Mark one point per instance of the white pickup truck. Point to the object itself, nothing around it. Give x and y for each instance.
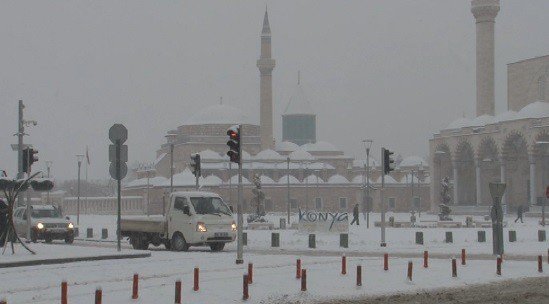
(192, 219)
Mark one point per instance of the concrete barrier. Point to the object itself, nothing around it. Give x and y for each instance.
(419, 238)
(541, 236)
(512, 236)
(104, 233)
(449, 237)
(312, 241)
(275, 239)
(481, 236)
(89, 233)
(344, 240)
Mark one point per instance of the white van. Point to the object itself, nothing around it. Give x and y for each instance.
(193, 218)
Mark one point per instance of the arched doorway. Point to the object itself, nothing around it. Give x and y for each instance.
(516, 170)
(489, 168)
(464, 162)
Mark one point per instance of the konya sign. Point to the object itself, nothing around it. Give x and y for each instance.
(332, 222)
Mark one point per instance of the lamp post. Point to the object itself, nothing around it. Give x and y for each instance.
(317, 172)
(366, 178)
(288, 186)
(171, 140)
(79, 159)
(48, 168)
(543, 178)
(306, 185)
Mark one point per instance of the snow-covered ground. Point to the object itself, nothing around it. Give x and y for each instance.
(362, 239)
(221, 279)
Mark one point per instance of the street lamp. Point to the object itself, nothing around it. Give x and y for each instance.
(366, 178)
(48, 168)
(79, 159)
(288, 186)
(543, 178)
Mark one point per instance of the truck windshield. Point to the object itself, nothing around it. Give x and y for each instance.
(209, 205)
(41, 213)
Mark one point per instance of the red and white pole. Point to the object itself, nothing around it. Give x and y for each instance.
(425, 259)
(463, 257)
(410, 265)
(540, 264)
(178, 292)
(358, 275)
(98, 296)
(196, 277)
(245, 294)
(298, 269)
(304, 280)
(135, 287)
(454, 268)
(498, 266)
(386, 261)
(250, 273)
(64, 292)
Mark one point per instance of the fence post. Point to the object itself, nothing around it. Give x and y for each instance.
(250, 273)
(386, 261)
(178, 292)
(245, 294)
(298, 269)
(540, 264)
(410, 265)
(454, 268)
(98, 296)
(304, 280)
(343, 265)
(135, 288)
(358, 275)
(463, 257)
(64, 292)
(196, 286)
(425, 259)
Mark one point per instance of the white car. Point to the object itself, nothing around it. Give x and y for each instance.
(47, 224)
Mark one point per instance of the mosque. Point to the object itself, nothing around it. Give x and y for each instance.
(300, 170)
(509, 147)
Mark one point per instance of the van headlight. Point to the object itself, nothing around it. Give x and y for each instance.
(70, 226)
(201, 227)
(233, 226)
(40, 226)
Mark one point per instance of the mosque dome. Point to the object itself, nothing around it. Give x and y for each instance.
(337, 179)
(221, 115)
(268, 154)
(284, 180)
(301, 154)
(536, 109)
(320, 146)
(286, 146)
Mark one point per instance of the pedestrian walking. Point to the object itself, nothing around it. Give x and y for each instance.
(355, 215)
(519, 214)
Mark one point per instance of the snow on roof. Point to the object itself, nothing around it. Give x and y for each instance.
(298, 103)
(210, 155)
(183, 179)
(313, 179)
(359, 179)
(219, 114)
(337, 179)
(407, 179)
(361, 162)
(320, 146)
(268, 154)
(211, 180)
(286, 146)
(265, 180)
(388, 180)
(413, 161)
(159, 158)
(301, 154)
(284, 180)
(427, 180)
(234, 180)
(538, 109)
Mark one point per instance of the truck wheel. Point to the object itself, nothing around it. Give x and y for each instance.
(48, 239)
(34, 239)
(217, 246)
(138, 242)
(69, 239)
(178, 242)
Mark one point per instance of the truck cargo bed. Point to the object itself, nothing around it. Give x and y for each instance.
(152, 224)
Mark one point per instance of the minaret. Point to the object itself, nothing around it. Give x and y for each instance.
(266, 65)
(485, 12)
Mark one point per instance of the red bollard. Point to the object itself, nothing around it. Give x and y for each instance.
(298, 269)
(540, 264)
(454, 268)
(463, 257)
(98, 296)
(304, 280)
(245, 294)
(250, 273)
(64, 292)
(425, 259)
(386, 261)
(178, 292)
(135, 288)
(343, 265)
(195, 287)
(358, 275)
(410, 265)
(498, 266)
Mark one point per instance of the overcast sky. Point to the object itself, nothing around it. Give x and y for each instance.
(394, 71)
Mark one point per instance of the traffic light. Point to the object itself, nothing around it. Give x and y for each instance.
(388, 161)
(195, 164)
(234, 144)
(29, 158)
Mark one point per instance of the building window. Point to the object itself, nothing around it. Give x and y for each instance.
(343, 203)
(318, 203)
(293, 203)
(392, 203)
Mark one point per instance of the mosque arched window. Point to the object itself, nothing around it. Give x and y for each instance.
(541, 87)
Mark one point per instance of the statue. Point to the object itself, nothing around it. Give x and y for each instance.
(258, 200)
(445, 210)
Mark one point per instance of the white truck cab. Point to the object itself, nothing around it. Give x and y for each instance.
(193, 218)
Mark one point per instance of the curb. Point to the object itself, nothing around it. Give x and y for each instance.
(72, 260)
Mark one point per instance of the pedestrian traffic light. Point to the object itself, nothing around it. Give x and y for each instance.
(195, 164)
(29, 157)
(234, 144)
(388, 161)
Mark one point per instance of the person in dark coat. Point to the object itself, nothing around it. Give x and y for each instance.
(520, 211)
(355, 215)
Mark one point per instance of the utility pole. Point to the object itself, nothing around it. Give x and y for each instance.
(366, 195)
(79, 159)
(240, 219)
(20, 134)
(288, 188)
(383, 243)
(48, 168)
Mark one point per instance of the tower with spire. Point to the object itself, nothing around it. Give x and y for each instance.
(266, 65)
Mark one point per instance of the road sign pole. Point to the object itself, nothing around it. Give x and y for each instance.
(119, 211)
(383, 243)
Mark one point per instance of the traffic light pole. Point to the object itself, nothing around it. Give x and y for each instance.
(20, 134)
(383, 243)
(240, 220)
